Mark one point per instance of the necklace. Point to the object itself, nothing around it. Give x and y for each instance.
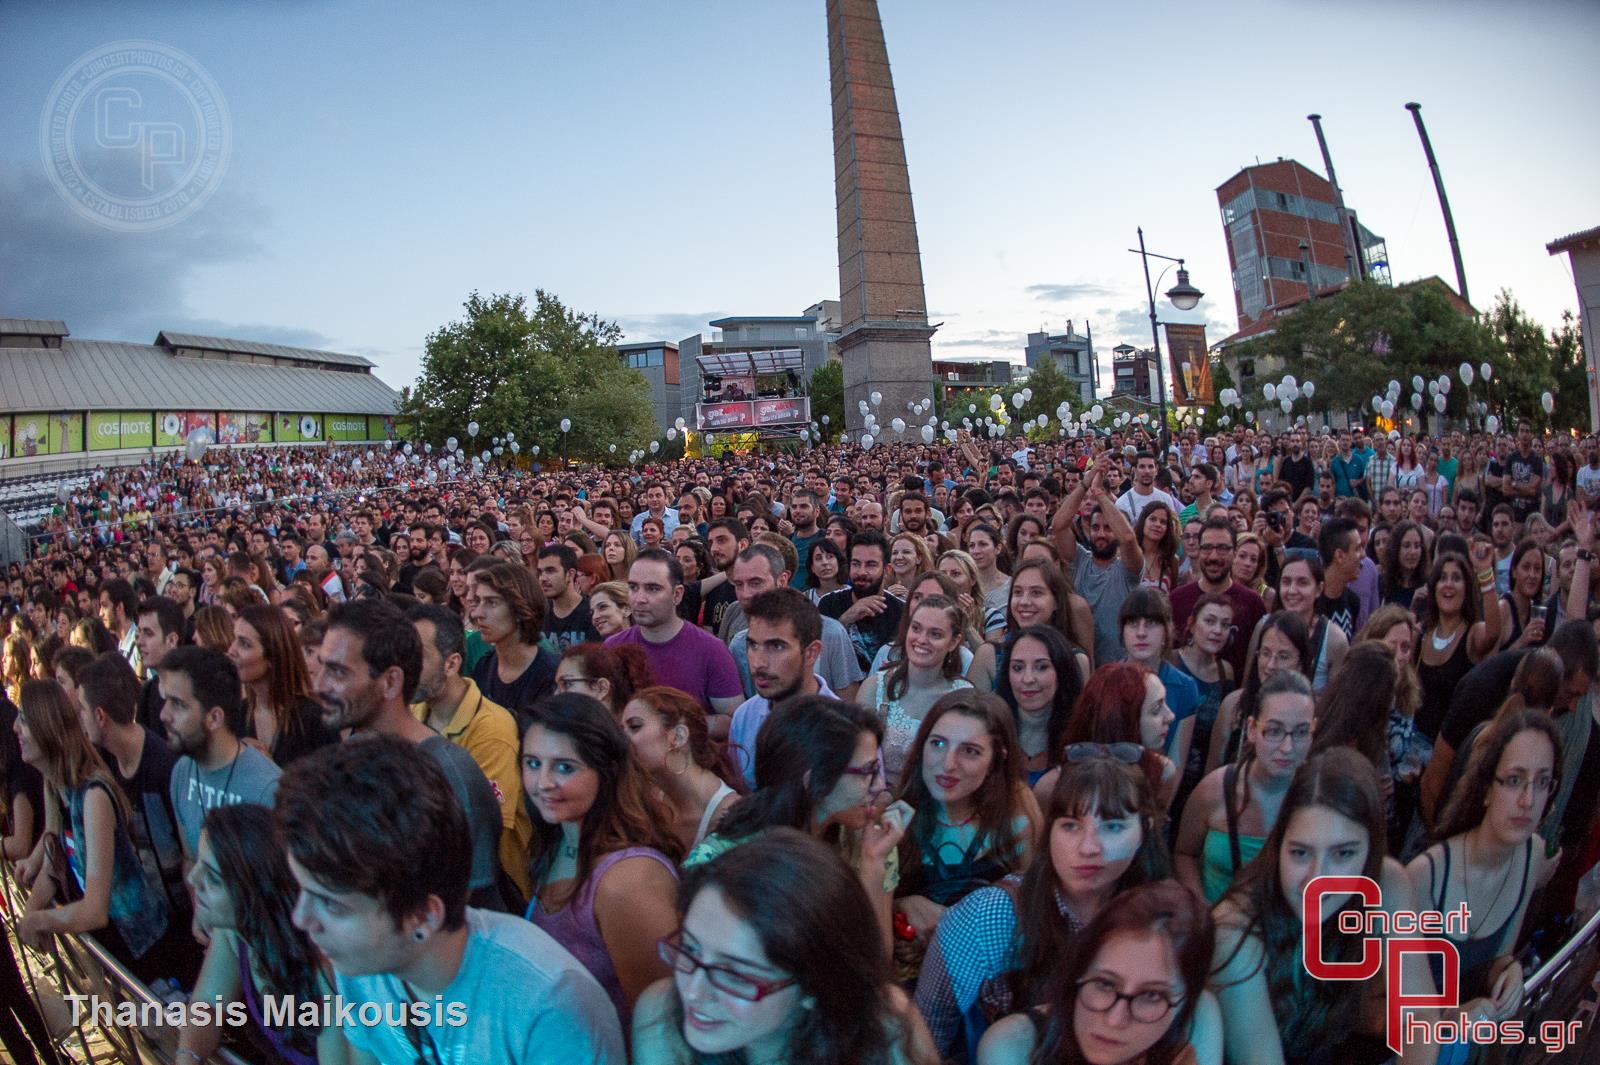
(1439, 644)
(1466, 889)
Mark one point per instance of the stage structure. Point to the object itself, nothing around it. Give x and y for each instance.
(753, 392)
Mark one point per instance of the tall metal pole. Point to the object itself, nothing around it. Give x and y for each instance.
(1355, 265)
(1155, 338)
(1444, 201)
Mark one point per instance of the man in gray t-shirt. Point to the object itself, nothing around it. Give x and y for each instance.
(477, 802)
(1108, 568)
(202, 709)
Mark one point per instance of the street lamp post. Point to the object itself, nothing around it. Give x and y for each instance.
(1184, 296)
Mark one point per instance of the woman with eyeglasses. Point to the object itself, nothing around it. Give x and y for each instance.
(1330, 824)
(975, 820)
(775, 959)
(995, 951)
(1131, 992)
(1280, 643)
(671, 740)
(1227, 819)
(603, 862)
(1490, 850)
(609, 674)
(819, 770)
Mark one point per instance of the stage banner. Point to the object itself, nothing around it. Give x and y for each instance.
(1191, 368)
(718, 417)
(796, 411)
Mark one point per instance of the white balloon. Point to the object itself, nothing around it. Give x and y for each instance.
(1270, 391)
(680, 423)
(566, 425)
(1444, 385)
(996, 402)
(1439, 402)
(1491, 425)
(876, 397)
(1486, 370)
(500, 449)
(655, 445)
(866, 441)
(1416, 400)
(927, 434)
(1308, 389)
(1433, 388)
(472, 428)
(1287, 405)
(1289, 380)
(516, 447)
(825, 420)
(1416, 382)
(861, 405)
(898, 425)
(1249, 415)
(487, 455)
(1548, 402)
(672, 434)
(451, 444)
(1466, 374)
(1388, 410)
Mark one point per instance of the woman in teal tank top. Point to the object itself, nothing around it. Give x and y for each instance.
(1232, 811)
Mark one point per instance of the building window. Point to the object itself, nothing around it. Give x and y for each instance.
(1247, 368)
(801, 332)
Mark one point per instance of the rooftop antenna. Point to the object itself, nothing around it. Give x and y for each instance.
(1444, 201)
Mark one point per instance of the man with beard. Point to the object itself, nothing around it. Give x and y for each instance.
(203, 713)
(371, 664)
(870, 614)
(1214, 575)
(725, 538)
(1108, 569)
(320, 565)
(759, 569)
(804, 508)
(869, 515)
(1143, 491)
(784, 643)
(566, 621)
(914, 516)
(1297, 471)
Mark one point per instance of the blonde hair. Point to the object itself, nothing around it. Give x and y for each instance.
(615, 591)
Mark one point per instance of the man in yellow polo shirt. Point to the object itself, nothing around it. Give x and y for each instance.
(452, 706)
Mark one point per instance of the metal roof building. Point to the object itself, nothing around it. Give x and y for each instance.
(180, 370)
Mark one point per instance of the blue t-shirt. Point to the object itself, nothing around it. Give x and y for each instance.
(1183, 699)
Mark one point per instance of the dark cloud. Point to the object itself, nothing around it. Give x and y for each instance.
(638, 328)
(1071, 291)
(112, 285)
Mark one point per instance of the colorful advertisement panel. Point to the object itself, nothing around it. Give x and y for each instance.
(31, 435)
(105, 431)
(297, 428)
(1191, 368)
(380, 427)
(174, 426)
(136, 428)
(783, 411)
(244, 427)
(347, 427)
(5, 436)
(715, 416)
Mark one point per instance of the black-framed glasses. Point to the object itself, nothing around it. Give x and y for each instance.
(1540, 785)
(729, 981)
(1127, 753)
(1147, 1007)
(1275, 733)
(871, 771)
(567, 684)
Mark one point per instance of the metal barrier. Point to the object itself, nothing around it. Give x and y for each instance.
(1558, 991)
(79, 965)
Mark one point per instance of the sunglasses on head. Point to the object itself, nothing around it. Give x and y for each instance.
(1127, 753)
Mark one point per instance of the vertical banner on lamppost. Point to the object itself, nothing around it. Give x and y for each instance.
(1191, 369)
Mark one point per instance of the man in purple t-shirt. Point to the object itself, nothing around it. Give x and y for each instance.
(681, 655)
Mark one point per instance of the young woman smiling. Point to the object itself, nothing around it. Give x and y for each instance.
(1151, 950)
(1038, 595)
(1157, 532)
(1330, 823)
(929, 668)
(1041, 685)
(1523, 619)
(1457, 630)
(1227, 819)
(995, 950)
(604, 864)
(908, 557)
(1299, 587)
(975, 819)
(958, 566)
(774, 959)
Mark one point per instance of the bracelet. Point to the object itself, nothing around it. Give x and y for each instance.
(1585, 555)
(1486, 576)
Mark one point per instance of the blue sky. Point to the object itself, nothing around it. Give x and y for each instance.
(666, 164)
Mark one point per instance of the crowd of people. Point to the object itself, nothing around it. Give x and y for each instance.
(986, 751)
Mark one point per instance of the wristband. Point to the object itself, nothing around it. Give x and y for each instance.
(1486, 576)
(1585, 555)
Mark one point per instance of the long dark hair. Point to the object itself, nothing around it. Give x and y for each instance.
(1310, 1011)
(815, 923)
(1294, 629)
(1465, 809)
(626, 812)
(1060, 590)
(1104, 788)
(897, 677)
(997, 802)
(1069, 685)
(1471, 602)
(1165, 908)
(1394, 578)
(288, 681)
(255, 873)
(1353, 710)
(802, 750)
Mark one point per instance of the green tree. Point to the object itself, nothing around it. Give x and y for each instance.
(520, 369)
(827, 397)
(1050, 388)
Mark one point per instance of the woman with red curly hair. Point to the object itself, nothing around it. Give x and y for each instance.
(610, 674)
